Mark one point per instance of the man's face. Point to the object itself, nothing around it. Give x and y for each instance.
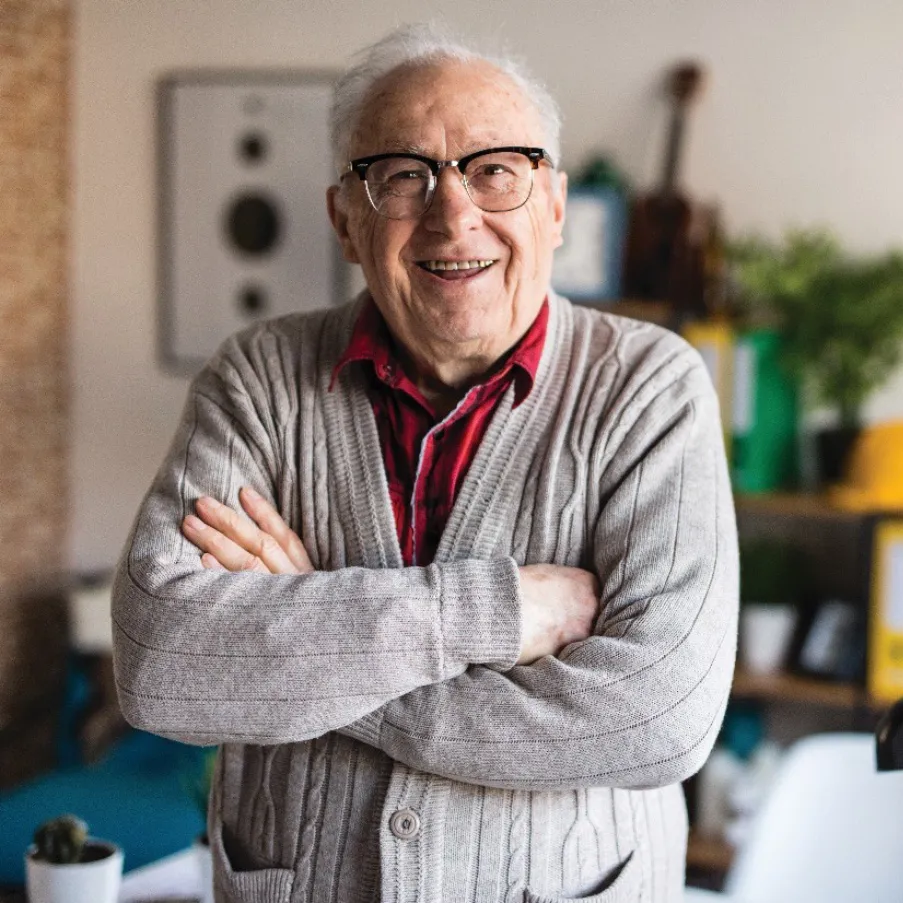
(446, 111)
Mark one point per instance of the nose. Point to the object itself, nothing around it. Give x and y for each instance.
(451, 212)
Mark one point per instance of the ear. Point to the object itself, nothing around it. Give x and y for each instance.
(559, 203)
(338, 216)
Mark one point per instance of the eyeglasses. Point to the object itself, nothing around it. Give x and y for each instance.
(402, 185)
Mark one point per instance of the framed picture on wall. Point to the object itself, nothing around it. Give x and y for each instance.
(587, 267)
(243, 166)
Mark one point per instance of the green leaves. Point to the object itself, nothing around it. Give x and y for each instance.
(842, 317)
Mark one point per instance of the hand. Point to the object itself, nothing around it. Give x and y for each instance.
(560, 606)
(233, 543)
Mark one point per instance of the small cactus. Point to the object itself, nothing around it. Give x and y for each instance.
(61, 840)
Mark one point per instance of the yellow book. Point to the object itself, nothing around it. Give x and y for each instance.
(714, 340)
(885, 653)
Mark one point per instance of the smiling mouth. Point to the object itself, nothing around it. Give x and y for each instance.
(455, 269)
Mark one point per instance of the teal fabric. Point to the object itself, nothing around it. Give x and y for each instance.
(137, 797)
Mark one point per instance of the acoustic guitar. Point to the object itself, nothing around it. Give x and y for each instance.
(669, 236)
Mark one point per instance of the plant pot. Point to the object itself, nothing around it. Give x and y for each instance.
(833, 447)
(95, 879)
(205, 868)
(766, 631)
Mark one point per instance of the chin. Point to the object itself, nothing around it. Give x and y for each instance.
(467, 326)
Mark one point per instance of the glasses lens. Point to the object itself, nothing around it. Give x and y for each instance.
(399, 188)
(499, 181)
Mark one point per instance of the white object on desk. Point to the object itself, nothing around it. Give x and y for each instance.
(95, 881)
(830, 830)
(178, 875)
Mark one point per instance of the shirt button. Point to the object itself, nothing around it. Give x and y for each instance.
(405, 824)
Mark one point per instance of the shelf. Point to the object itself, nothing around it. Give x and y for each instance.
(794, 504)
(659, 312)
(708, 854)
(790, 688)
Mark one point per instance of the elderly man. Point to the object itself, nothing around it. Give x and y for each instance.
(450, 572)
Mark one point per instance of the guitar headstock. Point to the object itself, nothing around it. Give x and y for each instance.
(685, 82)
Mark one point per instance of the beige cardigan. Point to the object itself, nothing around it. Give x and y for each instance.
(378, 740)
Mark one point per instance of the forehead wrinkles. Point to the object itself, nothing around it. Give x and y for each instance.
(467, 104)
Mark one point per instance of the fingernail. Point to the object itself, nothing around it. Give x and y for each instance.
(252, 493)
(194, 523)
(207, 501)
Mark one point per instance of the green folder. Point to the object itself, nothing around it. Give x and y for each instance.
(765, 415)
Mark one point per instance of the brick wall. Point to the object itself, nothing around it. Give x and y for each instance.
(34, 49)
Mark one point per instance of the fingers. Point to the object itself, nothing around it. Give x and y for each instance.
(268, 519)
(211, 563)
(223, 550)
(230, 541)
(235, 543)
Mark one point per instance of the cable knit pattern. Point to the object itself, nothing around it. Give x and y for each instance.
(368, 689)
(517, 839)
(312, 826)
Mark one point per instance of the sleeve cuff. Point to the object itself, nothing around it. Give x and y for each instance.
(481, 613)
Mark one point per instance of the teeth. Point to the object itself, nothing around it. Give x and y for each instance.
(456, 265)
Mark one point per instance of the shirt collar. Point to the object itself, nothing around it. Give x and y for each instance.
(371, 341)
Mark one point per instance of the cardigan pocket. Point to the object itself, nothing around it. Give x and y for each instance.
(261, 885)
(623, 887)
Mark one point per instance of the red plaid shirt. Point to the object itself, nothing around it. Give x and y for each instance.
(426, 458)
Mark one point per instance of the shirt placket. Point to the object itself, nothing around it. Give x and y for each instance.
(426, 461)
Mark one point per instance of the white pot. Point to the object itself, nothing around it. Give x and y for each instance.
(80, 882)
(766, 631)
(205, 870)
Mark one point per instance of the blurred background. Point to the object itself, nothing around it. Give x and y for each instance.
(789, 120)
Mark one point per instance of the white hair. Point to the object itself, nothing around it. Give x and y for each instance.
(413, 45)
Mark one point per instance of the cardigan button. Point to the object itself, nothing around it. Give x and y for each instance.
(405, 824)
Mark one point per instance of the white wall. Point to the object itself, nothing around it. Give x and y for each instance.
(801, 123)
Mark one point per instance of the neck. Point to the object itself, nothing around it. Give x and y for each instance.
(444, 381)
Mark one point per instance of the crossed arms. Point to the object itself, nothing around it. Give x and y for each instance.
(470, 669)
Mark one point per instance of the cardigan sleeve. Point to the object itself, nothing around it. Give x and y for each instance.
(204, 656)
(638, 704)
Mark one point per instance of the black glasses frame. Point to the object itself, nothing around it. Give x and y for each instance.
(534, 154)
(360, 166)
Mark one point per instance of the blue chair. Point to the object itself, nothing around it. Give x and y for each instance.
(138, 796)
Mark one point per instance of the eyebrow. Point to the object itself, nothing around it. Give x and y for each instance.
(403, 148)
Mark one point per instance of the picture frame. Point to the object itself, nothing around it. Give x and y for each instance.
(588, 266)
(243, 165)
(832, 645)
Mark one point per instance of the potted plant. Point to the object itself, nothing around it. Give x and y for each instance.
(840, 318)
(65, 865)
(772, 580)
